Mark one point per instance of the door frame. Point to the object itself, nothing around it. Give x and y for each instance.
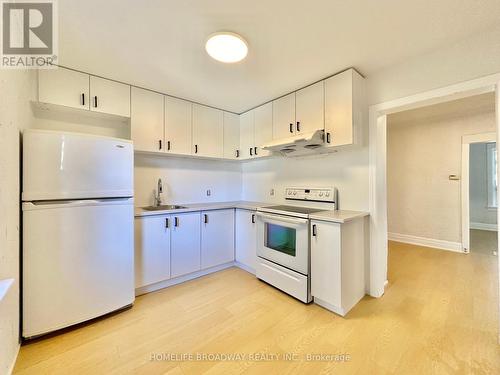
(467, 140)
(378, 161)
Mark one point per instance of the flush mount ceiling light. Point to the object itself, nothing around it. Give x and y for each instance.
(226, 47)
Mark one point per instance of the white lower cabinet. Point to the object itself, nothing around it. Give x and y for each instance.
(246, 238)
(152, 249)
(185, 244)
(337, 264)
(217, 237)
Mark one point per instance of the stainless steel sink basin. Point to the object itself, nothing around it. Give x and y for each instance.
(163, 207)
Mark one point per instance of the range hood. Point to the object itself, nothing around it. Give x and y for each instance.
(303, 144)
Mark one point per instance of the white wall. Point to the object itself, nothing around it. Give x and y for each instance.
(15, 114)
(185, 180)
(478, 187)
(347, 170)
(421, 154)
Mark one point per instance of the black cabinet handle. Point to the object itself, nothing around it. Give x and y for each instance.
(95, 101)
(195, 149)
(168, 145)
(251, 151)
(167, 224)
(328, 140)
(298, 126)
(237, 153)
(83, 98)
(205, 218)
(253, 218)
(176, 221)
(314, 230)
(159, 143)
(291, 128)
(255, 151)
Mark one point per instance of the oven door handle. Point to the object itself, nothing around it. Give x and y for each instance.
(285, 219)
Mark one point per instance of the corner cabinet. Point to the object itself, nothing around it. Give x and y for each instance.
(246, 239)
(217, 237)
(231, 136)
(208, 131)
(337, 264)
(256, 129)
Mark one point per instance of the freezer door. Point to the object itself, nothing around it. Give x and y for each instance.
(78, 262)
(61, 165)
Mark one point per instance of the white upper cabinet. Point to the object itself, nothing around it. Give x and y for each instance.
(147, 120)
(284, 117)
(152, 250)
(263, 128)
(109, 97)
(344, 108)
(64, 87)
(247, 138)
(217, 237)
(178, 126)
(310, 108)
(208, 131)
(231, 136)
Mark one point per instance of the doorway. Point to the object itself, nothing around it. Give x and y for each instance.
(481, 195)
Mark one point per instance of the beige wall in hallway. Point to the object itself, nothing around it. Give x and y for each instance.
(424, 147)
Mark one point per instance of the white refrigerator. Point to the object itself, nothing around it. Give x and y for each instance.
(78, 217)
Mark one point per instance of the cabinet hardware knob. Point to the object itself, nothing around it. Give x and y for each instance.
(237, 153)
(95, 101)
(315, 232)
(255, 151)
(253, 218)
(195, 149)
(291, 128)
(176, 221)
(168, 145)
(167, 224)
(251, 151)
(298, 126)
(159, 143)
(328, 138)
(83, 98)
(205, 218)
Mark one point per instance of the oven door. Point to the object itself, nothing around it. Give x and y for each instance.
(284, 240)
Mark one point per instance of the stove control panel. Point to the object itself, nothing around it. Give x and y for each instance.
(312, 194)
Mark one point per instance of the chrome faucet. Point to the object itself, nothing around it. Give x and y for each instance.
(159, 190)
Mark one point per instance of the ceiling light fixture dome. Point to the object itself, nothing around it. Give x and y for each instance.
(226, 47)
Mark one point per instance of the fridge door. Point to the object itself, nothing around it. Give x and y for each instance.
(78, 262)
(61, 165)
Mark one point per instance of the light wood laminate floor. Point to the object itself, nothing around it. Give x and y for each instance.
(438, 316)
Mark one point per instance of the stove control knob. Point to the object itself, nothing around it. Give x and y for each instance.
(294, 193)
(289, 192)
(321, 194)
(327, 194)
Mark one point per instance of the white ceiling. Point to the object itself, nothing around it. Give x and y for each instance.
(159, 44)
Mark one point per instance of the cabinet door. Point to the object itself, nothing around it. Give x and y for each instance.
(146, 120)
(208, 131)
(339, 109)
(247, 138)
(152, 250)
(326, 262)
(284, 117)
(217, 237)
(263, 128)
(185, 244)
(246, 238)
(64, 87)
(310, 108)
(178, 126)
(109, 97)
(231, 136)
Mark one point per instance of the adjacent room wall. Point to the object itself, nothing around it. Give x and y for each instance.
(185, 180)
(480, 215)
(422, 151)
(16, 88)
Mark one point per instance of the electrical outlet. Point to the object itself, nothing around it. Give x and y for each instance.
(209, 193)
(271, 192)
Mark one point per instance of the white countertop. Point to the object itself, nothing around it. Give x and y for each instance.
(340, 216)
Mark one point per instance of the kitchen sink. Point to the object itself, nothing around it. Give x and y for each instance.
(163, 207)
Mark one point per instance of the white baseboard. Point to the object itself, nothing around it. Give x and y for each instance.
(484, 226)
(244, 267)
(426, 242)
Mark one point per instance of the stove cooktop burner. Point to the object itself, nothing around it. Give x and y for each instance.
(294, 209)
